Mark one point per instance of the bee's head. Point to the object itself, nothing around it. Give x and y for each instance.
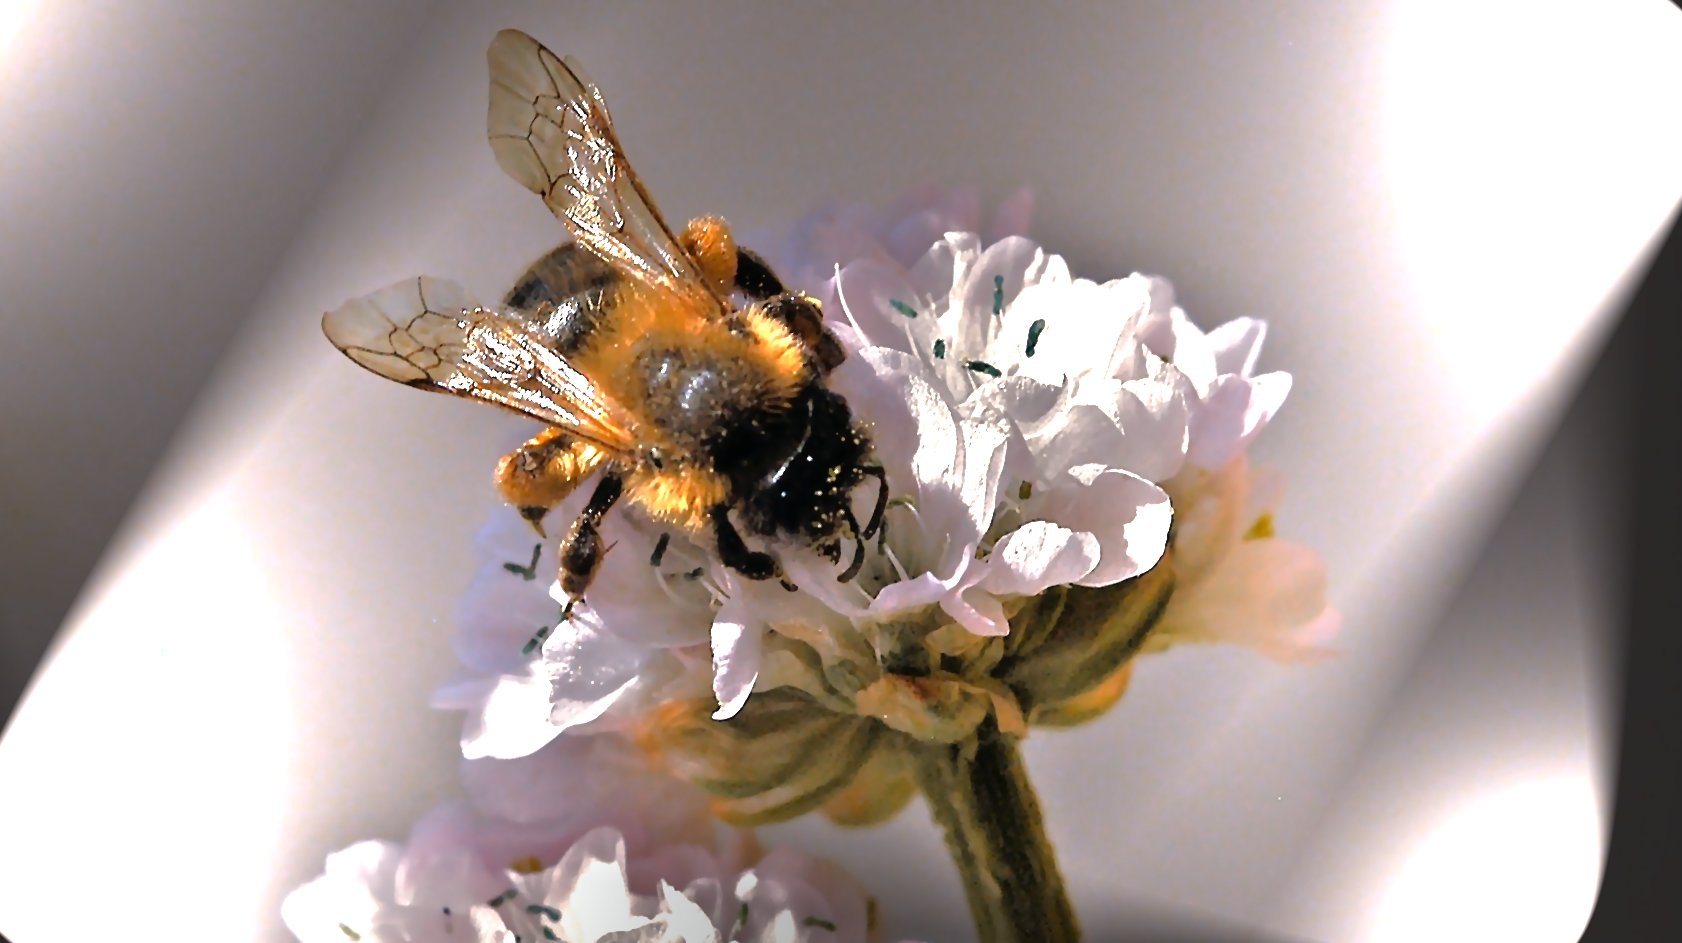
(804, 471)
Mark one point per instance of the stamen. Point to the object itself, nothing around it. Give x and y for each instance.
(1034, 330)
(660, 550)
(660, 577)
(903, 308)
(889, 553)
(998, 295)
(940, 349)
(981, 366)
(818, 922)
(529, 571)
(536, 639)
(846, 308)
(347, 931)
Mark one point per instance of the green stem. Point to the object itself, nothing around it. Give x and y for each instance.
(979, 793)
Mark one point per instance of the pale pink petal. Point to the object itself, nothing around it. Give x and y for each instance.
(1155, 420)
(1237, 345)
(880, 303)
(507, 715)
(442, 864)
(978, 611)
(738, 640)
(1012, 216)
(814, 887)
(1233, 412)
(1128, 515)
(1037, 556)
(349, 893)
(1267, 594)
(1087, 436)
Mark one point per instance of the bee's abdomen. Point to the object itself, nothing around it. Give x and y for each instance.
(572, 290)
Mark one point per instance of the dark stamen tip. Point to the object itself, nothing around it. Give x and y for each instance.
(1034, 330)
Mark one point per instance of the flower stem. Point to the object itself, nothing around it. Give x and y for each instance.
(980, 794)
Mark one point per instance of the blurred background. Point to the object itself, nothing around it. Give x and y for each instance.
(229, 559)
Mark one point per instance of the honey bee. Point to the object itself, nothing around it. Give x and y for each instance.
(627, 344)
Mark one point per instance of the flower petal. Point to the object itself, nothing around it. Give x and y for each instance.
(589, 668)
(1267, 594)
(590, 880)
(1037, 556)
(738, 640)
(873, 299)
(1237, 345)
(1127, 514)
(977, 610)
(1233, 411)
(507, 715)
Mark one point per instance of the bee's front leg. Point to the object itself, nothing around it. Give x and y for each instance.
(581, 551)
(733, 553)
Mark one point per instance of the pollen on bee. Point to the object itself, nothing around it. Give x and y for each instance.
(713, 248)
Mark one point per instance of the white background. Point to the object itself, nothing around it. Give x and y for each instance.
(1434, 207)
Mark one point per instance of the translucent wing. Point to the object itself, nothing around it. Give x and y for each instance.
(425, 332)
(551, 132)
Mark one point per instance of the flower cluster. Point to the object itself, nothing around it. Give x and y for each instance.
(580, 842)
(1070, 487)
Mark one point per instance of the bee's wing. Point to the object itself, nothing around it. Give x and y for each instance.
(551, 131)
(425, 332)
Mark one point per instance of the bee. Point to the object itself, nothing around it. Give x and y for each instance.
(627, 344)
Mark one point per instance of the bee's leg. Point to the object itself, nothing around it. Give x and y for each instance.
(853, 568)
(734, 554)
(581, 551)
(754, 277)
(710, 244)
(543, 471)
(880, 474)
(802, 316)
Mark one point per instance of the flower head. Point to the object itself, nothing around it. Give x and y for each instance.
(592, 892)
(580, 841)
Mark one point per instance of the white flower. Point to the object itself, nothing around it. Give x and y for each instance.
(1232, 404)
(1238, 583)
(1032, 426)
(526, 676)
(897, 234)
(592, 892)
(1018, 417)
